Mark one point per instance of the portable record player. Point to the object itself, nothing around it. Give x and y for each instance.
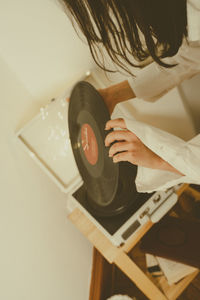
(107, 195)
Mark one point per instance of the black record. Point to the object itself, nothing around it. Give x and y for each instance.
(87, 116)
(125, 198)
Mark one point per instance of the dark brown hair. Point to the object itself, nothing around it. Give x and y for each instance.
(131, 28)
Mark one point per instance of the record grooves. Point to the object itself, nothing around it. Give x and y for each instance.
(107, 184)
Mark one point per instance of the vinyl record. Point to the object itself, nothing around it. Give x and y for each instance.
(87, 116)
(126, 201)
(126, 195)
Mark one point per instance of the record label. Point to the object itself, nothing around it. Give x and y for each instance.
(89, 144)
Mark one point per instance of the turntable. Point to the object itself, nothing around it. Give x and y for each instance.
(107, 194)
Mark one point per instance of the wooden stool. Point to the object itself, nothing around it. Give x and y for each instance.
(119, 256)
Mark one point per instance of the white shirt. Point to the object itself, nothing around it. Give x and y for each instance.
(150, 84)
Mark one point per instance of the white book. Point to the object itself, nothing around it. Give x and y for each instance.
(174, 271)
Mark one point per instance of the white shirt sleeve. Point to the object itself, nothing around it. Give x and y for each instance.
(150, 84)
(184, 156)
(153, 81)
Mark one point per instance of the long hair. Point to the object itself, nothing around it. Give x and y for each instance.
(130, 30)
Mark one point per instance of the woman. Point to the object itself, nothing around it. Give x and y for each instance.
(132, 32)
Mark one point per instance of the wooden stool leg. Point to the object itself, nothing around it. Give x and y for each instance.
(129, 268)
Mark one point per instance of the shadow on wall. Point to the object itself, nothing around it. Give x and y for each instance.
(190, 92)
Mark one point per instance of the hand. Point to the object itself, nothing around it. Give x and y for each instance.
(128, 147)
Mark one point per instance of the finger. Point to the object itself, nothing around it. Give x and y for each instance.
(124, 156)
(119, 147)
(117, 135)
(115, 123)
(67, 99)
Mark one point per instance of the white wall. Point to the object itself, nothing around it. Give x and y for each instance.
(42, 255)
(39, 43)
